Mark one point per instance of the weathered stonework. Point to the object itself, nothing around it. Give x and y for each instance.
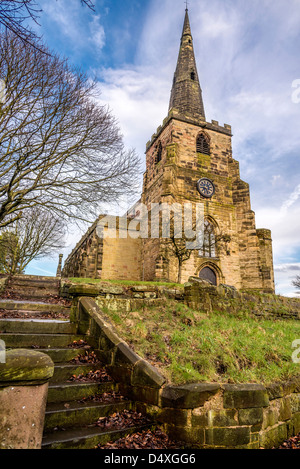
(203, 415)
(175, 162)
(205, 297)
(106, 256)
(24, 381)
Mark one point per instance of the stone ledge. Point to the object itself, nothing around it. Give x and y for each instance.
(25, 367)
(277, 390)
(189, 396)
(146, 375)
(243, 396)
(108, 291)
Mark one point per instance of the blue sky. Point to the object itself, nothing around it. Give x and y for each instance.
(248, 59)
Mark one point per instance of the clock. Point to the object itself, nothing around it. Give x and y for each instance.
(206, 188)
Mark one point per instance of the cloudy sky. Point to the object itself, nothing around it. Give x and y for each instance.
(248, 62)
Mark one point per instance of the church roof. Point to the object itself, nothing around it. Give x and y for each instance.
(186, 94)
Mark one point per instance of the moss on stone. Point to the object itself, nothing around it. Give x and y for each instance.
(25, 366)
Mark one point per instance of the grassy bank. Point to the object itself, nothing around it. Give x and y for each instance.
(192, 346)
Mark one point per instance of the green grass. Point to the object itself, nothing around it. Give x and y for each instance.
(192, 346)
(88, 281)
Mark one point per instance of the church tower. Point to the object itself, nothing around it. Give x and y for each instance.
(189, 160)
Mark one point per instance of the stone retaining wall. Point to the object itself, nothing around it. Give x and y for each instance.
(110, 291)
(204, 415)
(199, 295)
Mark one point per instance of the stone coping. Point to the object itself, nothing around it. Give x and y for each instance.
(142, 372)
(122, 291)
(185, 396)
(24, 367)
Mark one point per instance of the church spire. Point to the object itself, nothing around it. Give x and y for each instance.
(186, 94)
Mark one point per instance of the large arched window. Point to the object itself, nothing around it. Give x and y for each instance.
(202, 144)
(208, 240)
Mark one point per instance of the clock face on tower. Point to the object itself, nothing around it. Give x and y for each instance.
(206, 188)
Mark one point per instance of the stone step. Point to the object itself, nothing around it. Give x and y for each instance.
(33, 287)
(33, 306)
(66, 415)
(70, 416)
(34, 277)
(31, 293)
(63, 355)
(37, 282)
(44, 341)
(64, 372)
(34, 280)
(86, 438)
(75, 391)
(36, 326)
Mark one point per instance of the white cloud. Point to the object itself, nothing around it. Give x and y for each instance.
(138, 99)
(291, 200)
(287, 267)
(247, 55)
(275, 179)
(97, 32)
(73, 23)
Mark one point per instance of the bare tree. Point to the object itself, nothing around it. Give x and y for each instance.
(59, 148)
(37, 234)
(296, 283)
(14, 16)
(208, 245)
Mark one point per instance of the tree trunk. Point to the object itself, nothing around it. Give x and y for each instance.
(179, 272)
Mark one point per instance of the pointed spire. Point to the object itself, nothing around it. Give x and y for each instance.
(186, 94)
(186, 26)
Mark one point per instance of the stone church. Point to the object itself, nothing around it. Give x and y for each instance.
(188, 160)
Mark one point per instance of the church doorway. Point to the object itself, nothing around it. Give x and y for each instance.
(208, 274)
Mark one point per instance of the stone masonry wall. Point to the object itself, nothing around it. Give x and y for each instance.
(202, 296)
(85, 261)
(203, 415)
(111, 256)
(248, 260)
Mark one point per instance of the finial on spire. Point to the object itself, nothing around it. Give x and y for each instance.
(186, 4)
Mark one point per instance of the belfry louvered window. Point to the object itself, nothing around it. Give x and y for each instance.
(159, 153)
(202, 145)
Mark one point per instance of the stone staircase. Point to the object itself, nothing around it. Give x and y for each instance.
(32, 287)
(84, 408)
